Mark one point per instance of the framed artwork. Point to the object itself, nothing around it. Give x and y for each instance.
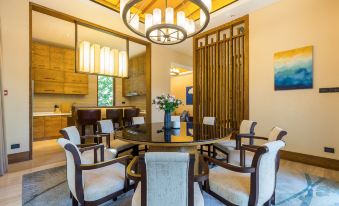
(293, 69)
(189, 95)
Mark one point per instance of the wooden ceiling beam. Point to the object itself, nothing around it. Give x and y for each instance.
(148, 6)
(180, 5)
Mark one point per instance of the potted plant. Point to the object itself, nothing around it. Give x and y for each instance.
(168, 103)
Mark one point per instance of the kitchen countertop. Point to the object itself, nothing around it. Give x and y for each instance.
(42, 114)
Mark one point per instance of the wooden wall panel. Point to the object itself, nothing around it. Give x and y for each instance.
(221, 74)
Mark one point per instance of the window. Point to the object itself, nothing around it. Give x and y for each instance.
(105, 91)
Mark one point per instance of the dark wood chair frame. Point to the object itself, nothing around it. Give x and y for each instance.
(79, 168)
(138, 164)
(128, 114)
(254, 177)
(116, 115)
(238, 138)
(84, 122)
(134, 148)
(97, 138)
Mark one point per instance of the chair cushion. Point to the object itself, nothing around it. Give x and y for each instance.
(226, 146)
(232, 186)
(103, 181)
(120, 145)
(87, 157)
(198, 198)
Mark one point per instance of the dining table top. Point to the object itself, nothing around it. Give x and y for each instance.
(189, 134)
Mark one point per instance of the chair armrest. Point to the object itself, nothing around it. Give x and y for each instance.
(90, 136)
(244, 136)
(85, 145)
(91, 147)
(251, 148)
(258, 137)
(229, 166)
(103, 134)
(129, 173)
(125, 158)
(203, 176)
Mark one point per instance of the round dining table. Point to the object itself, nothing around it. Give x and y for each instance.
(186, 138)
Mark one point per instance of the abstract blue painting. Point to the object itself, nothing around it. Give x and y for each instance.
(293, 69)
(189, 95)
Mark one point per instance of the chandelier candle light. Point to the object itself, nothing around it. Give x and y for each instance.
(165, 30)
(94, 59)
(167, 103)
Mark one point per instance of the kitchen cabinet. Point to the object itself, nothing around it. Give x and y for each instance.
(38, 128)
(53, 71)
(48, 87)
(48, 127)
(70, 88)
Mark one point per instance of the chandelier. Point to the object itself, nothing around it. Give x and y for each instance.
(165, 26)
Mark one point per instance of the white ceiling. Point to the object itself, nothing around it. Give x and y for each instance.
(56, 31)
(227, 14)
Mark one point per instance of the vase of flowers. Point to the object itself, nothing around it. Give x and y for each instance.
(168, 103)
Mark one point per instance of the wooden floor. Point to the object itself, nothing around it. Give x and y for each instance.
(48, 154)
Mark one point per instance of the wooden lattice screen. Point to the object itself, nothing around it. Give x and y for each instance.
(221, 74)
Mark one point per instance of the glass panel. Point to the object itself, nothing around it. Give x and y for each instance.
(105, 91)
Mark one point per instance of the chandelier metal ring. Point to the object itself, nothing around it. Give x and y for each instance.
(180, 37)
(132, 3)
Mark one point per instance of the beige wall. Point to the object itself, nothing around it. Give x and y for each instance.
(14, 16)
(310, 118)
(162, 58)
(178, 89)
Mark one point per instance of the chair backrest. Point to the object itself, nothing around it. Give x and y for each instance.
(276, 134)
(138, 120)
(167, 179)
(72, 134)
(247, 127)
(129, 113)
(265, 176)
(105, 126)
(208, 120)
(115, 115)
(175, 118)
(88, 116)
(73, 160)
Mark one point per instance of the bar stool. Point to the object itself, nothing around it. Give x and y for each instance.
(89, 117)
(116, 115)
(128, 114)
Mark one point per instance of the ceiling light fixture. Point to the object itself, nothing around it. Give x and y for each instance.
(165, 30)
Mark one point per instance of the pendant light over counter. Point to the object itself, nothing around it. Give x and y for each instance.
(93, 58)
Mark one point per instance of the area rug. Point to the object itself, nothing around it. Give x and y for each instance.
(294, 188)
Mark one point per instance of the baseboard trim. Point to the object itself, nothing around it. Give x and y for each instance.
(18, 157)
(310, 159)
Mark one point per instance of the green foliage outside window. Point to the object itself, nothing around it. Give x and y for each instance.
(105, 91)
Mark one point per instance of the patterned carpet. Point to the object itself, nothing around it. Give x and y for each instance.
(294, 188)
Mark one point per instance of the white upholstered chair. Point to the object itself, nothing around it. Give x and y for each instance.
(93, 184)
(106, 128)
(72, 134)
(243, 186)
(244, 158)
(167, 179)
(138, 120)
(246, 131)
(207, 121)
